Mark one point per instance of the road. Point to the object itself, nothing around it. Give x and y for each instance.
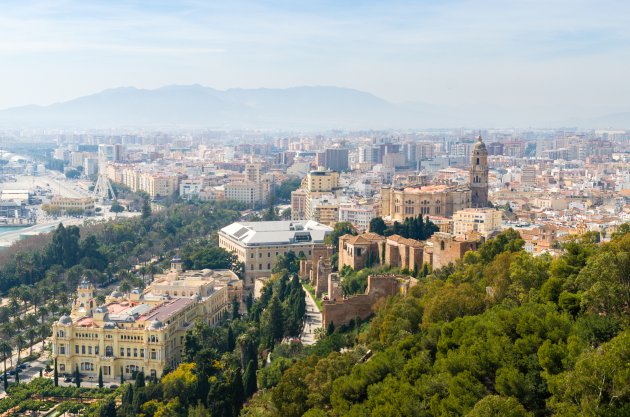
(313, 320)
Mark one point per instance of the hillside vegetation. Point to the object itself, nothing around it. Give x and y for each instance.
(503, 333)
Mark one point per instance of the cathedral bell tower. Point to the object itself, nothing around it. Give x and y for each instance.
(479, 175)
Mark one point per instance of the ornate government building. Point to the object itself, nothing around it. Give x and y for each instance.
(142, 330)
(440, 200)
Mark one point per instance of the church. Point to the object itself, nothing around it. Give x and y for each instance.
(440, 200)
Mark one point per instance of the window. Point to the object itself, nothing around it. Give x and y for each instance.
(260, 266)
(60, 333)
(62, 350)
(89, 350)
(442, 246)
(128, 351)
(268, 266)
(122, 351)
(62, 367)
(135, 352)
(153, 354)
(109, 352)
(477, 161)
(142, 353)
(83, 350)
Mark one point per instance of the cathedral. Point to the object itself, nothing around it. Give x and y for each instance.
(399, 203)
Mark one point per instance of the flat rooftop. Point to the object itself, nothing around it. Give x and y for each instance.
(277, 232)
(165, 311)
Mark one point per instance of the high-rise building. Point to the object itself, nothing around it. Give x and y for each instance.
(479, 175)
(336, 159)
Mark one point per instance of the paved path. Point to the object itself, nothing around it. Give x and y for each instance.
(313, 320)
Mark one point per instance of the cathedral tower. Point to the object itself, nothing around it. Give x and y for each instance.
(479, 175)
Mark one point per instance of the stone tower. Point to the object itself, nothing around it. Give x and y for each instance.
(479, 175)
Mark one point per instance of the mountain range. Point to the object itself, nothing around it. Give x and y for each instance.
(318, 107)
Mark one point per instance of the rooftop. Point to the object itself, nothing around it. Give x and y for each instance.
(277, 232)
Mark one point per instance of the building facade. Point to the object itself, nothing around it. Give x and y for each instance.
(432, 200)
(140, 331)
(257, 244)
(484, 221)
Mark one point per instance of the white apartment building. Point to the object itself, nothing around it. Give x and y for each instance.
(357, 214)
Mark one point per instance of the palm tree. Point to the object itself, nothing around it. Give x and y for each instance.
(19, 343)
(31, 335)
(43, 312)
(6, 351)
(44, 331)
(36, 299)
(8, 331)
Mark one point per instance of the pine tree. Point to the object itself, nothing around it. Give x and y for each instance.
(77, 377)
(231, 340)
(100, 377)
(249, 379)
(237, 392)
(127, 399)
(140, 382)
(330, 329)
(55, 375)
(146, 208)
(235, 308)
(249, 302)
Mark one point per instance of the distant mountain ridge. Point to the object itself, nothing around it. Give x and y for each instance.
(316, 107)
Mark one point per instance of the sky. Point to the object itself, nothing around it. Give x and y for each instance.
(570, 54)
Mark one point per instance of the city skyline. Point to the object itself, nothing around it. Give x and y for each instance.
(565, 56)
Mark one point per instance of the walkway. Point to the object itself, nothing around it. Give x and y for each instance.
(313, 320)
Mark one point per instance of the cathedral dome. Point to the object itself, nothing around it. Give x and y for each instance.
(479, 145)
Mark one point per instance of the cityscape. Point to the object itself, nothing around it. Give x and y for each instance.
(214, 242)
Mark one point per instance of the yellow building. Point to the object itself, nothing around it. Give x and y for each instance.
(316, 187)
(140, 331)
(480, 220)
(67, 203)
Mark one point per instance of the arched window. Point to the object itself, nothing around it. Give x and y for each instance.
(442, 246)
(477, 161)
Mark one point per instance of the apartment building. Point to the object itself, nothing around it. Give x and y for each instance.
(484, 221)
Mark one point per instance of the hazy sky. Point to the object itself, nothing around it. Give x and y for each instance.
(559, 52)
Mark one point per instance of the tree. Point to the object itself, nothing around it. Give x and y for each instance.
(231, 340)
(249, 379)
(77, 377)
(146, 208)
(330, 329)
(100, 377)
(340, 229)
(496, 406)
(116, 207)
(122, 376)
(235, 308)
(272, 322)
(56, 375)
(140, 382)
(107, 408)
(377, 225)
